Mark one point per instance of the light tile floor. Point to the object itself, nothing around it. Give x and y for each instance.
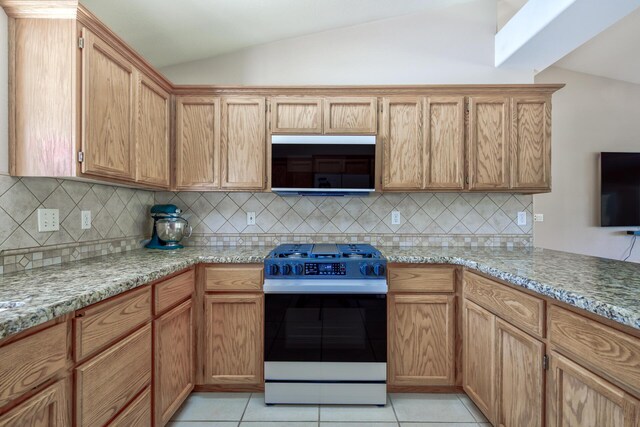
(402, 410)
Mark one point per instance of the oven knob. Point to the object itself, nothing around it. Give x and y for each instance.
(273, 270)
(286, 269)
(297, 269)
(365, 269)
(378, 270)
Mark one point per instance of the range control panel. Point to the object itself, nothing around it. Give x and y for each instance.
(325, 269)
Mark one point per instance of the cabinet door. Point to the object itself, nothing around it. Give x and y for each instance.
(344, 115)
(48, 408)
(520, 378)
(173, 362)
(243, 143)
(233, 338)
(197, 143)
(531, 142)
(152, 133)
(402, 162)
(488, 143)
(108, 93)
(478, 339)
(444, 130)
(296, 115)
(421, 340)
(579, 398)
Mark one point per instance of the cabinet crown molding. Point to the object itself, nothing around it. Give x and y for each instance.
(61, 9)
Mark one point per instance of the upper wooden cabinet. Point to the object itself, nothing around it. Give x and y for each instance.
(444, 146)
(243, 143)
(108, 104)
(402, 143)
(345, 115)
(83, 106)
(296, 115)
(331, 115)
(531, 143)
(197, 143)
(489, 148)
(153, 130)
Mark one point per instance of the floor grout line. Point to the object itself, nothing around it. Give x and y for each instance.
(245, 409)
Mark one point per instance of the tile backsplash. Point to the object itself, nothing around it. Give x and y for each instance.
(120, 220)
(454, 219)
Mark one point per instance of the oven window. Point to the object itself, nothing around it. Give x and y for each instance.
(327, 328)
(341, 166)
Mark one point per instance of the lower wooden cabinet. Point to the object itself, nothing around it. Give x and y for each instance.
(503, 369)
(519, 378)
(233, 338)
(106, 384)
(579, 398)
(478, 343)
(421, 340)
(137, 414)
(48, 408)
(173, 361)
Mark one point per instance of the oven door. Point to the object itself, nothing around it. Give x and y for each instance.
(325, 328)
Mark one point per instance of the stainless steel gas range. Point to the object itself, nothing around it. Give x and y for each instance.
(325, 325)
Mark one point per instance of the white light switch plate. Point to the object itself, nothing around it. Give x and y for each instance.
(395, 218)
(48, 220)
(538, 218)
(251, 218)
(522, 218)
(85, 223)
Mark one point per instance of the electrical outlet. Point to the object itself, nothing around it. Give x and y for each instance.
(48, 220)
(251, 218)
(395, 218)
(85, 223)
(522, 218)
(538, 218)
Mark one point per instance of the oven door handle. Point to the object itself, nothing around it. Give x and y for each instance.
(325, 286)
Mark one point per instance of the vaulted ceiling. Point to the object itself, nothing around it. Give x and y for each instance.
(169, 32)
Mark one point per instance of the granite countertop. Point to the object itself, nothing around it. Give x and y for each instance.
(605, 287)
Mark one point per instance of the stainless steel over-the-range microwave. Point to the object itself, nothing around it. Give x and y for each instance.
(323, 164)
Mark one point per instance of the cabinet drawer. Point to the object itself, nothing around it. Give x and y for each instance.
(48, 408)
(174, 290)
(106, 383)
(137, 414)
(233, 277)
(422, 279)
(516, 307)
(610, 353)
(102, 323)
(31, 361)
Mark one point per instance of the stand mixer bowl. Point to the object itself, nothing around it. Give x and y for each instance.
(172, 230)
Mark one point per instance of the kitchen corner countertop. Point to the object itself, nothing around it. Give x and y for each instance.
(605, 287)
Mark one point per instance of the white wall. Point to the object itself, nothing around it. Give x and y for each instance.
(452, 45)
(4, 90)
(591, 114)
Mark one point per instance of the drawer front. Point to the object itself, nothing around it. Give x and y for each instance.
(31, 361)
(610, 353)
(234, 277)
(137, 414)
(101, 324)
(48, 408)
(422, 279)
(171, 291)
(516, 307)
(106, 383)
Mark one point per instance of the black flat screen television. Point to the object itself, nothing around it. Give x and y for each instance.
(620, 189)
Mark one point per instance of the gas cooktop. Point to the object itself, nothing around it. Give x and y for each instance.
(325, 261)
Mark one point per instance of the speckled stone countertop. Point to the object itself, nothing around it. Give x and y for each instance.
(36, 296)
(604, 287)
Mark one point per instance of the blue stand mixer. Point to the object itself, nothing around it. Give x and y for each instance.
(169, 228)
